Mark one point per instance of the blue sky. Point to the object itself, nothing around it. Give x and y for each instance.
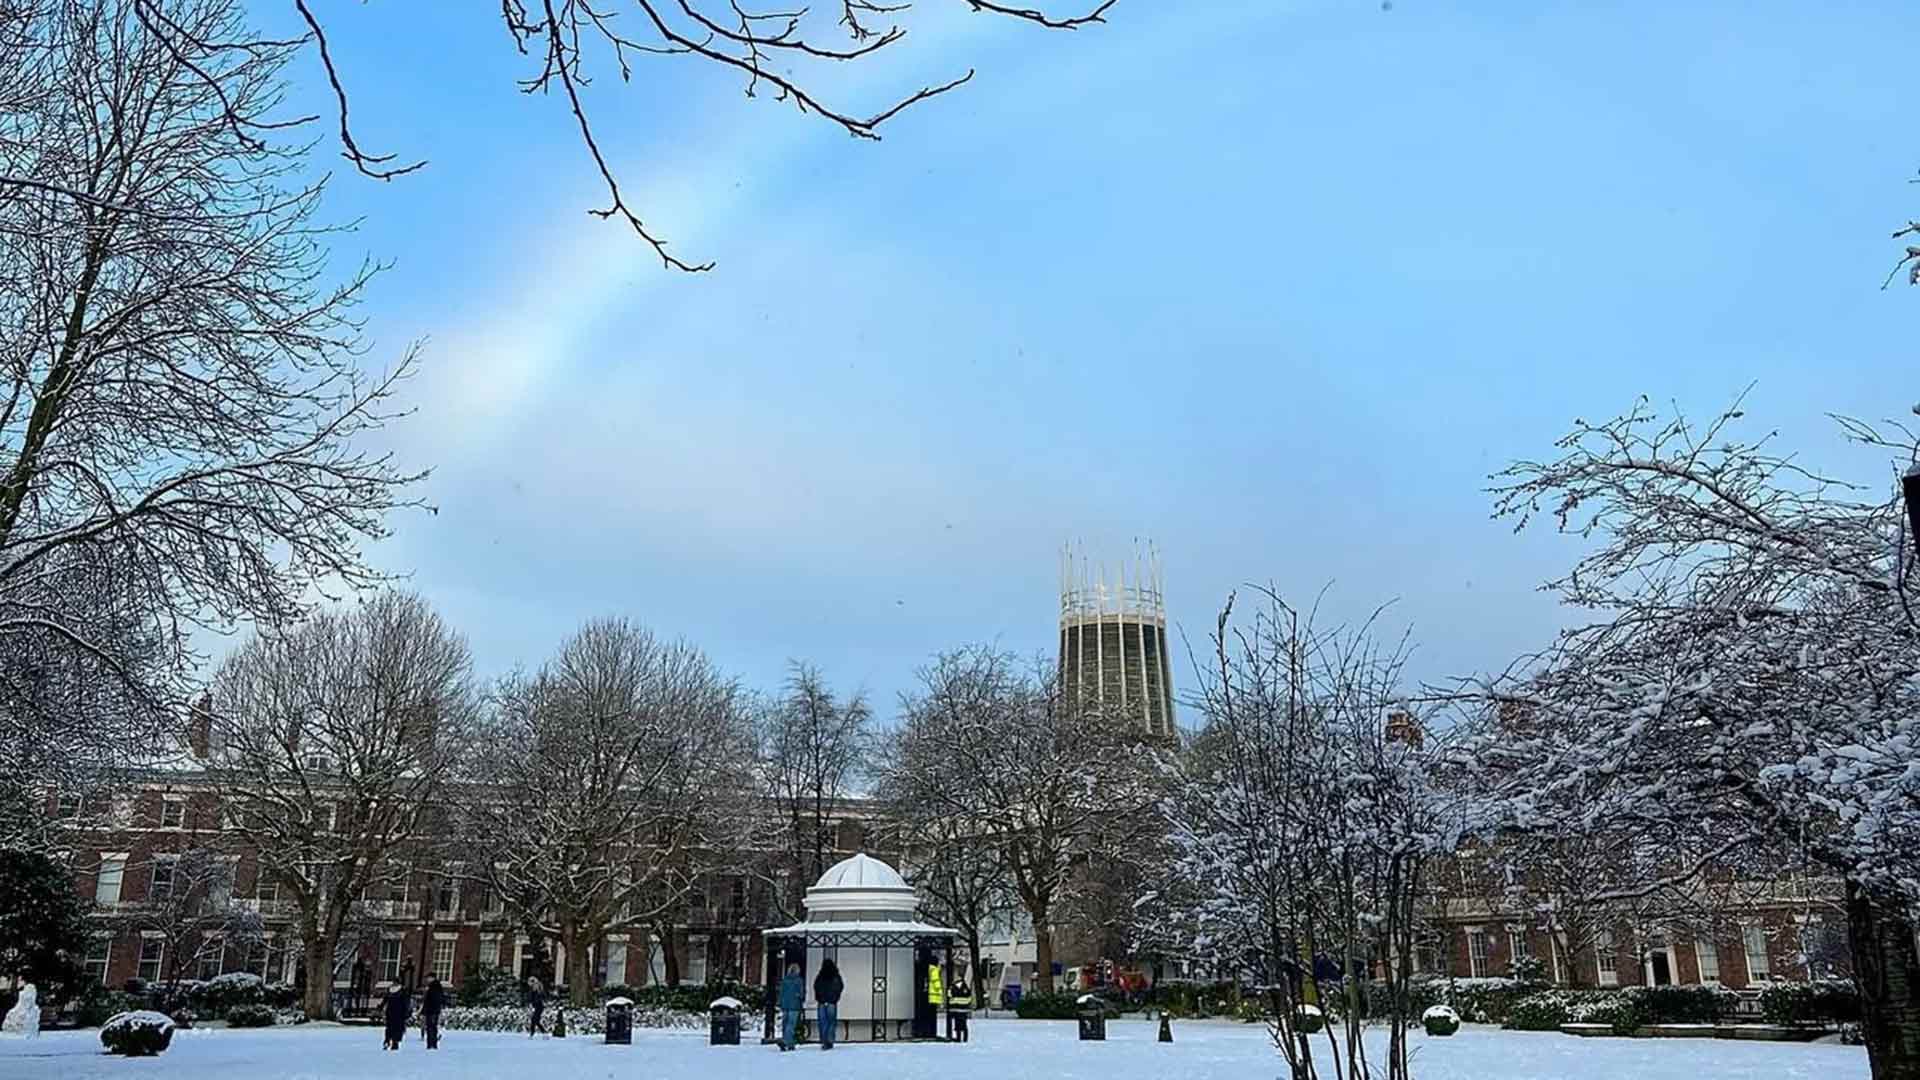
(1275, 284)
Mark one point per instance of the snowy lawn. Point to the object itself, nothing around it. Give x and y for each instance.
(1001, 1050)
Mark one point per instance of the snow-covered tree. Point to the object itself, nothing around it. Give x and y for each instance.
(180, 384)
(331, 746)
(995, 746)
(1301, 824)
(607, 783)
(189, 908)
(1750, 676)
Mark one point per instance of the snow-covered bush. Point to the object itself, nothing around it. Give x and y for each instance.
(1617, 1010)
(1822, 1001)
(289, 1016)
(1486, 1001)
(137, 1034)
(1308, 1019)
(1440, 1020)
(579, 1021)
(1853, 1035)
(250, 1016)
(1544, 1011)
(221, 993)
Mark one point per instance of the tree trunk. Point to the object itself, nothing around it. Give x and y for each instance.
(670, 955)
(974, 971)
(579, 967)
(318, 963)
(1042, 952)
(1880, 935)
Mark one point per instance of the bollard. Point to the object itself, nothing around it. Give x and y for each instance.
(1166, 1027)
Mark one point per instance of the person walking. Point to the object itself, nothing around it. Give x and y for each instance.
(959, 1008)
(430, 1007)
(398, 1011)
(537, 1001)
(827, 988)
(793, 996)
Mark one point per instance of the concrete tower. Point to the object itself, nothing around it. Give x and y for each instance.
(1113, 638)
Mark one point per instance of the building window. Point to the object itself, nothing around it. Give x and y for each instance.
(1707, 955)
(1518, 948)
(1759, 969)
(152, 952)
(99, 951)
(390, 960)
(173, 813)
(446, 899)
(443, 959)
(489, 950)
(696, 972)
(213, 958)
(160, 884)
(1606, 960)
(265, 887)
(106, 886)
(656, 961)
(1477, 946)
(613, 962)
(70, 804)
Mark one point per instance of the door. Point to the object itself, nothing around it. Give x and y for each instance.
(925, 1023)
(1661, 967)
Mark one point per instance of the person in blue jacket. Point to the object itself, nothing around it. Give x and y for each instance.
(793, 997)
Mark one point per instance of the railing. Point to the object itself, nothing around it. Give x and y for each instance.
(267, 908)
(393, 909)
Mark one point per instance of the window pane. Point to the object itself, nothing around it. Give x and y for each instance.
(443, 960)
(107, 887)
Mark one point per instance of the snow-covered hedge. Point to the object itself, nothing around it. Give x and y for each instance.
(137, 1034)
(1822, 1001)
(579, 1021)
(250, 1016)
(1308, 1019)
(1439, 1020)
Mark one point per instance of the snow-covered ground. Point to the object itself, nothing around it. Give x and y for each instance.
(1000, 1050)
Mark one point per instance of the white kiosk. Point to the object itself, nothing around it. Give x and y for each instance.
(861, 913)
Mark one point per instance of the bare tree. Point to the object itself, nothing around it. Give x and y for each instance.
(995, 745)
(604, 781)
(813, 749)
(1751, 676)
(330, 743)
(180, 391)
(1302, 825)
(777, 53)
(189, 908)
(955, 868)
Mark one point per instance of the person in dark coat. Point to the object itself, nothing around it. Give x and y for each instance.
(537, 1001)
(430, 1007)
(959, 1007)
(399, 1011)
(793, 997)
(827, 988)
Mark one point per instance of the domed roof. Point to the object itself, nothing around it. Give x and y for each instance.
(861, 872)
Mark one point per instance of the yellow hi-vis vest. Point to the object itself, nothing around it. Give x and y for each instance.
(936, 993)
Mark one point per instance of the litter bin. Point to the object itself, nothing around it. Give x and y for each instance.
(723, 1022)
(1093, 1019)
(1010, 997)
(620, 1021)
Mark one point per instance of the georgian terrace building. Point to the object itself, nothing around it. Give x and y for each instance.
(422, 919)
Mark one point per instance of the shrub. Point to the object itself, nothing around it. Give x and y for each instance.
(137, 1034)
(219, 995)
(1616, 1010)
(1529, 969)
(1823, 1001)
(250, 1016)
(281, 996)
(1440, 1020)
(289, 1016)
(1682, 1004)
(100, 1004)
(579, 1021)
(1059, 1005)
(1308, 1019)
(1853, 1035)
(1487, 1001)
(486, 984)
(1544, 1011)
